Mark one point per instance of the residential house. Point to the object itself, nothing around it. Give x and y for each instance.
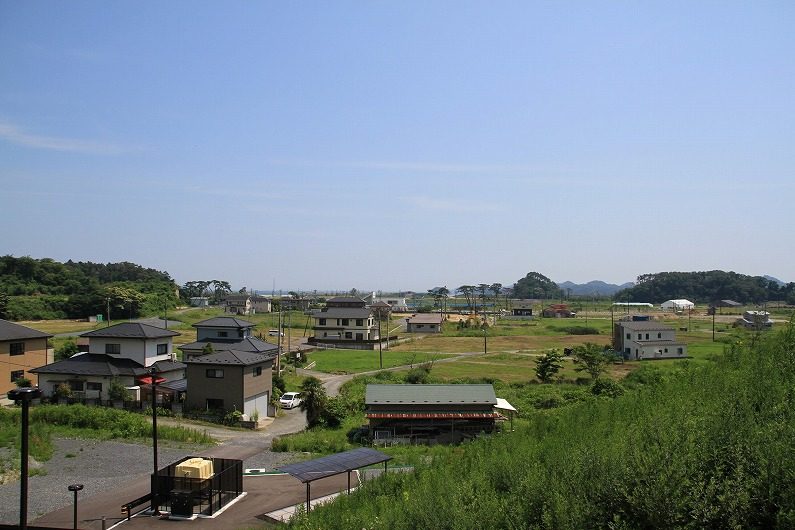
(558, 311)
(293, 303)
(523, 308)
(261, 304)
(424, 323)
(21, 349)
(124, 351)
(647, 339)
(230, 380)
(397, 303)
(429, 413)
(346, 321)
(225, 333)
(237, 304)
(754, 320)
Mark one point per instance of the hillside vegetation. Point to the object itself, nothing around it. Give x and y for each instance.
(703, 446)
(37, 289)
(706, 287)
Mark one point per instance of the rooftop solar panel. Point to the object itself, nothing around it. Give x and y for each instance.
(335, 464)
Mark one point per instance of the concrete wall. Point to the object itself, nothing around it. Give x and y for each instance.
(229, 388)
(139, 350)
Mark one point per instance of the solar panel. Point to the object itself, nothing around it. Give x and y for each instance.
(327, 466)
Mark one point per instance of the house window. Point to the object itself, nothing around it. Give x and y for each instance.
(338, 322)
(659, 335)
(325, 334)
(214, 403)
(348, 335)
(640, 336)
(360, 322)
(666, 350)
(420, 326)
(344, 321)
(647, 336)
(94, 386)
(77, 386)
(214, 373)
(359, 336)
(17, 374)
(432, 326)
(113, 349)
(257, 371)
(322, 322)
(162, 349)
(223, 334)
(679, 351)
(17, 348)
(629, 336)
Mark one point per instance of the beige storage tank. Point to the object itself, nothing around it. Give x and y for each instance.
(195, 468)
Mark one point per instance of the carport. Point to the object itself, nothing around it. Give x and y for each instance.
(327, 466)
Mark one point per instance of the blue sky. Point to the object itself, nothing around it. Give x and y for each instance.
(400, 145)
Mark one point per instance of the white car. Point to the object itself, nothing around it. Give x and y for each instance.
(290, 400)
(275, 333)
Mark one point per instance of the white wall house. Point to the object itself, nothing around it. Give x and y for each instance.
(647, 340)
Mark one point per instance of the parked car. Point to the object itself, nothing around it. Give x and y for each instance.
(290, 400)
(275, 333)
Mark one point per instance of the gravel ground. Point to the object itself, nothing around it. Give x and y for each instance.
(100, 466)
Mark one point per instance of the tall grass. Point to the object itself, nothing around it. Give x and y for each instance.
(708, 446)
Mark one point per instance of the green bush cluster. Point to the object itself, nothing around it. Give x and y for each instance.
(708, 447)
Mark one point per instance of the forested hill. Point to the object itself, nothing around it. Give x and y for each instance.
(706, 287)
(33, 289)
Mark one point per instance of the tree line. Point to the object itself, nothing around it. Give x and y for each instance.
(706, 287)
(33, 289)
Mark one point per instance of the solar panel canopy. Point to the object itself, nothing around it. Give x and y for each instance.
(335, 464)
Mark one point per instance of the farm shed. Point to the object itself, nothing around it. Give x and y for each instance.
(680, 304)
(429, 413)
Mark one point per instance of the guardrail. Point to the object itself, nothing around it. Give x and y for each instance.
(126, 509)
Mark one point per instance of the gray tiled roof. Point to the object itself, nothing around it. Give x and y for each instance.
(230, 357)
(11, 331)
(345, 300)
(430, 394)
(224, 322)
(131, 330)
(426, 318)
(168, 366)
(645, 325)
(251, 344)
(343, 312)
(93, 364)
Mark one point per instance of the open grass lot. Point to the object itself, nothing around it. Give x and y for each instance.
(356, 361)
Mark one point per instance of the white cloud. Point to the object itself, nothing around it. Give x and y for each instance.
(14, 135)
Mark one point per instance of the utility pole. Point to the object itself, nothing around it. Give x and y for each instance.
(108, 313)
(380, 353)
(289, 336)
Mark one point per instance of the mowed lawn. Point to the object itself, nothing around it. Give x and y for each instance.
(510, 343)
(356, 361)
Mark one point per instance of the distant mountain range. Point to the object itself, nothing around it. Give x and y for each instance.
(594, 287)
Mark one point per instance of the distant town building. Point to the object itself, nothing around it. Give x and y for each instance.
(237, 304)
(346, 321)
(754, 320)
(679, 304)
(199, 301)
(21, 349)
(424, 323)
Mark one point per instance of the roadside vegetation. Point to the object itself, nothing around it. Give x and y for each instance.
(702, 445)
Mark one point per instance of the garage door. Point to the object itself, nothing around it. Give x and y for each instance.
(258, 402)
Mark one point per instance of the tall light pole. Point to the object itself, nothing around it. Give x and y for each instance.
(25, 395)
(485, 334)
(75, 488)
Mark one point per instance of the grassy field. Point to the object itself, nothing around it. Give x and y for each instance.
(355, 361)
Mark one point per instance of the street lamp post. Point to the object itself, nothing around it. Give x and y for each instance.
(25, 395)
(485, 334)
(75, 488)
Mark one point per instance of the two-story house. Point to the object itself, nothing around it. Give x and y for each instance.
(237, 304)
(21, 349)
(345, 321)
(124, 351)
(647, 339)
(230, 380)
(226, 333)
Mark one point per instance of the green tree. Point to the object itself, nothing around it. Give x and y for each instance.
(125, 299)
(68, 349)
(548, 365)
(591, 358)
(3, 305)
(536, 285)
(313, 400)
(22, 382)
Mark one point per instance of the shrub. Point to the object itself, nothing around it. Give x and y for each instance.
(607, 388)
(22, 382)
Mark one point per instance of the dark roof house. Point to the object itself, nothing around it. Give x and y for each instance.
(130, 330)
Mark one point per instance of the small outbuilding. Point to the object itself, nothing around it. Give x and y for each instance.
(680, 304)
(424, 323)
(429, 413)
